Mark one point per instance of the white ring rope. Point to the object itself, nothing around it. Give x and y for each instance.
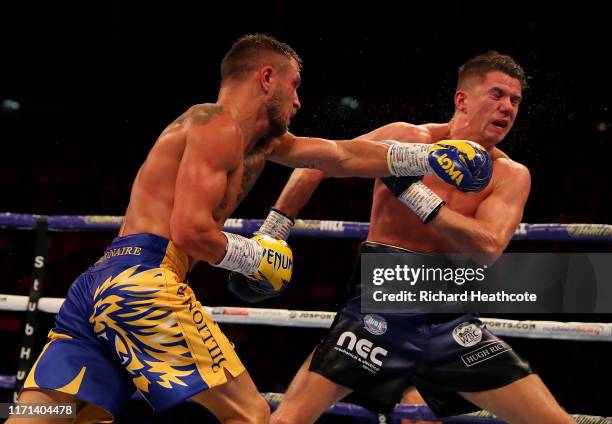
(584, 331)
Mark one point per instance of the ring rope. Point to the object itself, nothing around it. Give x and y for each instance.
(307, 227)
(322, 319)
(410, 411)
(584, 331)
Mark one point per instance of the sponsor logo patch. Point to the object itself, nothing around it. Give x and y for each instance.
(375, 324)
(485, 353)
(370, 357)
(467, 334)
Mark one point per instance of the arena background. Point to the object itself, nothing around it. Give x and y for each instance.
(86, 89)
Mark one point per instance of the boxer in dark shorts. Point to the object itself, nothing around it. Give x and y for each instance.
(380, 355)
(454, 361)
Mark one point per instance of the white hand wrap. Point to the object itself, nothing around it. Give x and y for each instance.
(422, 201)
(409, 159)
(242, 255)
(277, 225)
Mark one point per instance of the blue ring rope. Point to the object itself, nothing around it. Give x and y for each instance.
(309, 228)
(341, 408)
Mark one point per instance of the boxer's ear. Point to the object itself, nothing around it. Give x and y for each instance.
(461, 101)
(266, 78)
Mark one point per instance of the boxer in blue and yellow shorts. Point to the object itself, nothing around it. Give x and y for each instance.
(131, 321)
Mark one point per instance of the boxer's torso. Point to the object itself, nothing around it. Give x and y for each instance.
(153, 191)
(393, 223)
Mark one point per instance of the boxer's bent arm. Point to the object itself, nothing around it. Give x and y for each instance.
(209, 156)
(352, 158)
(298, 190)
(496, 218)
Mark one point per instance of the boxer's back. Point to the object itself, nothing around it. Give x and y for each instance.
(153, 191)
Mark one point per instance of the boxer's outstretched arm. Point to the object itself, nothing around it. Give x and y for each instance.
(303, 182)
(406, 132)
(496, 218)
(348, 158)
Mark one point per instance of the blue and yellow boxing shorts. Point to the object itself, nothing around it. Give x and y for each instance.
(132, 322)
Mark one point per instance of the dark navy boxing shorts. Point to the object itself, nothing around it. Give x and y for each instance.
(381, 355)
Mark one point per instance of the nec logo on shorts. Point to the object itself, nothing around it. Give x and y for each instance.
(467, 334)
(375, 324)
(485, 352)
(369, 356)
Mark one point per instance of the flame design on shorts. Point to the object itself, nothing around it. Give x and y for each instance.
(133, 317)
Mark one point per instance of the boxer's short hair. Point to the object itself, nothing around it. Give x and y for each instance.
(489, 61)
(252, 51)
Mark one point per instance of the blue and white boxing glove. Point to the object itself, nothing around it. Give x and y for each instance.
(253, 286)
(463, 164)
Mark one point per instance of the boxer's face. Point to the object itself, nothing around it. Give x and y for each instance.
(491, 105)
(284, 102)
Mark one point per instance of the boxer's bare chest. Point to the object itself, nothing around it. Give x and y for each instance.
(240, 183)
(464, 203)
